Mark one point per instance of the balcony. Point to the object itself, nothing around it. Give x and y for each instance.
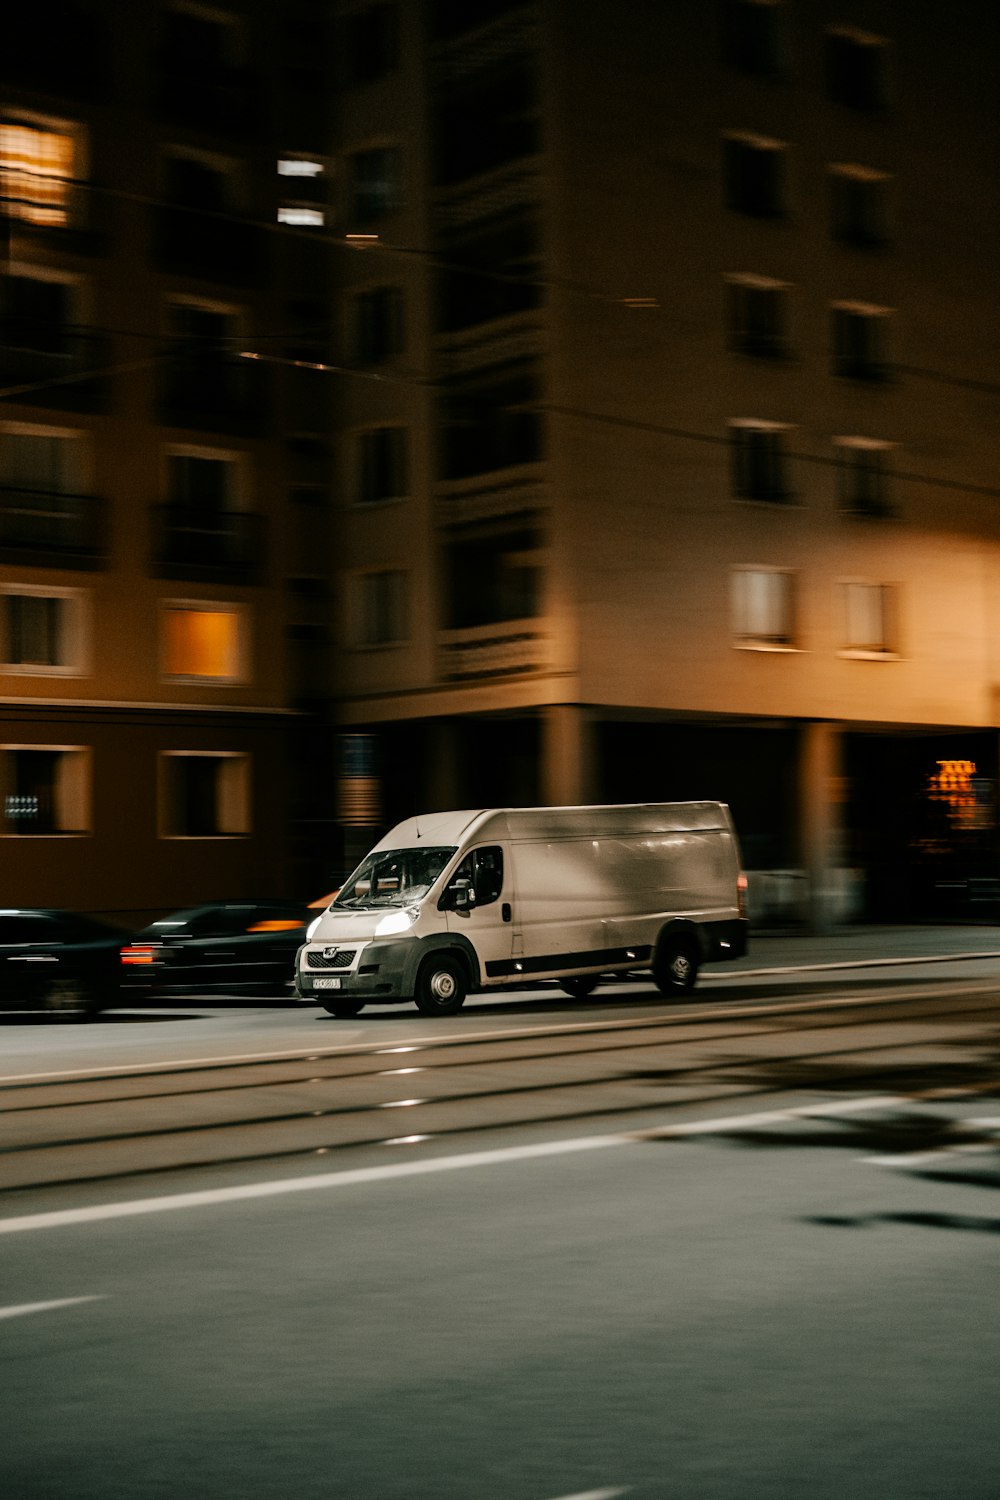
(212, 392)
(506, 649)
(43, 529)
(62, 368)
(218, 547)
(499, 341)
(505, 189)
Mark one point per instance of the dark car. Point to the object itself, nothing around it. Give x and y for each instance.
(57, 961)
(224, 946)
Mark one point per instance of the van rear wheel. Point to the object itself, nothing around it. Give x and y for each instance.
(675, 967)
(440, 988)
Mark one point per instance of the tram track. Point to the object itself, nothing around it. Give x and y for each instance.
(619, 1071)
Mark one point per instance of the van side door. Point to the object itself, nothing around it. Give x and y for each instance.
(478, 903)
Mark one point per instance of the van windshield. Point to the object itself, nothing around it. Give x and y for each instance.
(393, 877)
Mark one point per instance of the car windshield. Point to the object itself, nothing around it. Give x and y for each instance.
(393, 877)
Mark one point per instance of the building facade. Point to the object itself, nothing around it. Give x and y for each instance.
(679, 478)
(164, 452)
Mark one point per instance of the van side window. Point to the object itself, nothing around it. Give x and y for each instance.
(484, 867)
(489, 874)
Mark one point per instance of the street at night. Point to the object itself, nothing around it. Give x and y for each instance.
(740, 1245)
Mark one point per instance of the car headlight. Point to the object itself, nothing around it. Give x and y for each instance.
(312, 927)
(394, 921)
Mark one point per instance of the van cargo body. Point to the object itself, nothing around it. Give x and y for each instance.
(453, 902)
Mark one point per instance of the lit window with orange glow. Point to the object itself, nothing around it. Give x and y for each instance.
(204, 642)
(36, 173)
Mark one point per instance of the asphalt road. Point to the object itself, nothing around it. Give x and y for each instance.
(739, 1248)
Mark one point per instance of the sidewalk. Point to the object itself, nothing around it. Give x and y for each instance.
(863, 945)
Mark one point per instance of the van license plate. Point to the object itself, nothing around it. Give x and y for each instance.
(328, 982)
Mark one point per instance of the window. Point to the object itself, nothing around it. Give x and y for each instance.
(37, 168)
(302, 214)
(863, 475)
(204, 641)
(869, 618)
(483, 869)
(859, 204)
(763, 608)
(40, 461)
(493, 573)
(201, 482)
(752, 37)
(204, 794)
(377, 332)
(303, 167)
(759, 460)
(46, 789)
(381, 609)
(376, 178)
(42, 630)
(382, 465)
(37, 311)
(40, 482)
(756, 310)
(754, 169)
(198, 182)
(856, 68)
(859, 336)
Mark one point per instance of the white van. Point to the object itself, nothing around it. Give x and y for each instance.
(452, 902)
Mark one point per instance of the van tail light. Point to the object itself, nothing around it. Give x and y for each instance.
(741, 893)
(277, 924)
(137, 955)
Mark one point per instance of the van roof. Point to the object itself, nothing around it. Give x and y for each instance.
(606, 821)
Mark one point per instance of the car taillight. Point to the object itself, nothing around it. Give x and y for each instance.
(275, 924)
(741, 893)
(137, 955)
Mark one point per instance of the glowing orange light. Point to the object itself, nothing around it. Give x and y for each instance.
(137, 955)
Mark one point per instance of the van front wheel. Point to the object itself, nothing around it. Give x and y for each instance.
(440, 988)
(675, 967)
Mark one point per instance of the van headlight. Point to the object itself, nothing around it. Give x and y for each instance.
(312, 927)
(394, 921)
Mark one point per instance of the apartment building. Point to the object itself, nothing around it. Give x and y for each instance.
(164, 452)
(670, 465)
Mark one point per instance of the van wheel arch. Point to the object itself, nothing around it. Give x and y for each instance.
(441, 983)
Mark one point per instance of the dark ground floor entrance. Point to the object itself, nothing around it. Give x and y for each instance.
(902, 821)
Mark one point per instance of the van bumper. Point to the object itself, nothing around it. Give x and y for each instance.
(725, 940)
(384, 972)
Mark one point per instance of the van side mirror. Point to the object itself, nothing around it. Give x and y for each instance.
(461, 894)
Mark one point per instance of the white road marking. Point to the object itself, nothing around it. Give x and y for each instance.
(34, 1307)
(595, 1495)
(354, 1176)
(727, 1123)
(349, 1178)
(718, 1012)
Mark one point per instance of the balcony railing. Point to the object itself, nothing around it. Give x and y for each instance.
(507, 648)
(56, 367)
(39, 528)
(214, 547)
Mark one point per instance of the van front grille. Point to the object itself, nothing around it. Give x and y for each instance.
(332, 958)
